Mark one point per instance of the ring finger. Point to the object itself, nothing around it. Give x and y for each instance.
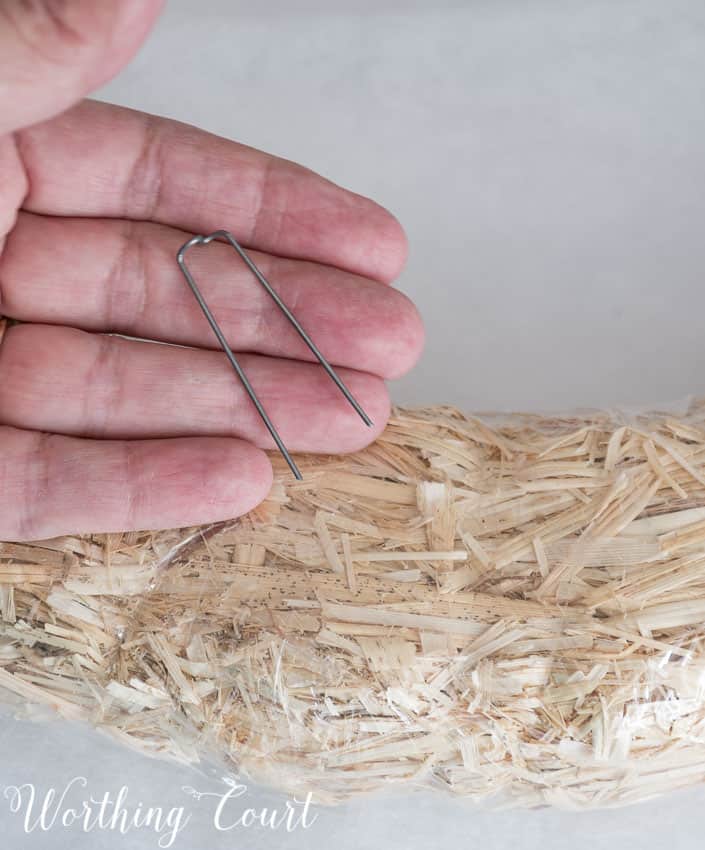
(71, 382)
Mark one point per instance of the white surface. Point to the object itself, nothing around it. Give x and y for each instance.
(548, 162)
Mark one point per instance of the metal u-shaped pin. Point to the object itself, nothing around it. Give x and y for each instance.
(225, 235)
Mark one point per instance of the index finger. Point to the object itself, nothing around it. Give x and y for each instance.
(108, 161)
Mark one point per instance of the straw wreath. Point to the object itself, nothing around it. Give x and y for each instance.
(505, 607)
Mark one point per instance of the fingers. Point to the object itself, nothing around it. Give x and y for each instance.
(102, 160)
(71, 382)
(52, 52)
(115, 276)
(54, 485)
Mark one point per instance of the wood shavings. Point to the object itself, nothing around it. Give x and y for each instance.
(508, 607)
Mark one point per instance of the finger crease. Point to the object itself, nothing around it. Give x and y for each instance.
(112, 294)
(139, 279)
(35, 487)
(131, 486)
(44, 29)
(125, 293)
(143, 189)
(261, 208)
(99, 408)
(56, 13)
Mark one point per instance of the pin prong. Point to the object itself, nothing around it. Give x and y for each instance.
(225, 235)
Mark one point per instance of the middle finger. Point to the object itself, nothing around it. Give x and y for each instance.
(122, 277)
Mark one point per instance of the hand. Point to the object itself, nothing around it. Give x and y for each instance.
(101, 433)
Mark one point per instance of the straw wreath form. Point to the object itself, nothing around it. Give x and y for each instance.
(509, 608)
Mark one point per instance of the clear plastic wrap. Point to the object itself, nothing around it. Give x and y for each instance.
(510, 608)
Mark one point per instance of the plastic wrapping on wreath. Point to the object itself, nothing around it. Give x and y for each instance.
(509, 608)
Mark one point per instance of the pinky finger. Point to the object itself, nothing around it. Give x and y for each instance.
(52, 485)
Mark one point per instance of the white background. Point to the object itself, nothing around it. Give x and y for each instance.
(547, 160)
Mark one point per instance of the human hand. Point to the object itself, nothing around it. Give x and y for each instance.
(100, 433)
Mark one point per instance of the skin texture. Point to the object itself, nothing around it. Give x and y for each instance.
(100, 433)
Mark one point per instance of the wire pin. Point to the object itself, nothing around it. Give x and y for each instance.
(226, 236)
